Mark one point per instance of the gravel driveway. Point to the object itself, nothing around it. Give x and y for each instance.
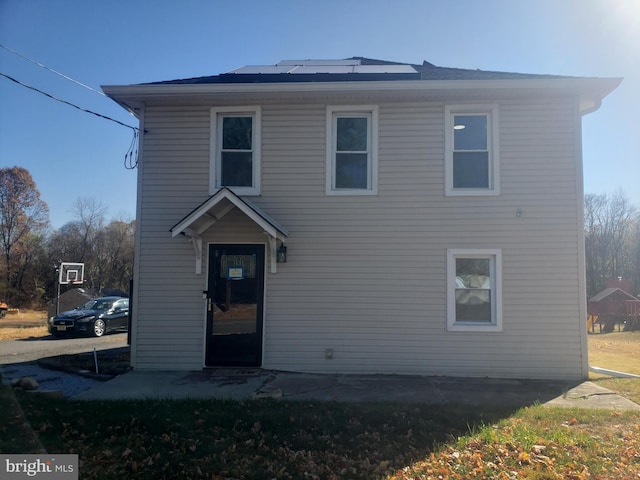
(48, 380)
(19, 359)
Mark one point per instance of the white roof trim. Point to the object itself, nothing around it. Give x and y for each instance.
(568, 84)
(590, 90)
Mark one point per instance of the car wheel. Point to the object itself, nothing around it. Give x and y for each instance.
(98, 328)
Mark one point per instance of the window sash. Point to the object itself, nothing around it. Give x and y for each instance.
(471, 169)
(475, 289)
(474, 284)
(471, 166)
(235, 150)
(351, 165)
(472, 159)
(351, 150)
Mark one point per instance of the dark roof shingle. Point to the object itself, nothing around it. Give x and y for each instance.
(424, 71)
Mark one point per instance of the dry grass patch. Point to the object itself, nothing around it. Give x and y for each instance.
(25, 324)
(616, 351)
(17, 333)
(24, 317)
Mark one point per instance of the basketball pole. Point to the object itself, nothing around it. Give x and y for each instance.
(58, 297)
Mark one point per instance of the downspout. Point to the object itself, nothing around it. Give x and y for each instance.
(613, 373)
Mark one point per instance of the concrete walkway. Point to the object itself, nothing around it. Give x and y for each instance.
(244, 384)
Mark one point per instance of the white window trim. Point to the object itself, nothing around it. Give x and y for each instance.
(493, 145)
(215, 163)
(333, 112)
(496, 290)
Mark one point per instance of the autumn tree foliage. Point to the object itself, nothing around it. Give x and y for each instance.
(31, 251)
(24, 217)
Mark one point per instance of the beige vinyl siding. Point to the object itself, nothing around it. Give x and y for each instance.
(170, 310)
(366, 275)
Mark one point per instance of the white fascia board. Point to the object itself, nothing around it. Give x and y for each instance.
(591, 89)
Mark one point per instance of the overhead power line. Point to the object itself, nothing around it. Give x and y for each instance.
(67, 103)
(52, 70)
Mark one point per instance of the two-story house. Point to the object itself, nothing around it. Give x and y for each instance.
(362, 216)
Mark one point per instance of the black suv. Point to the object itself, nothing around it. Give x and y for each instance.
(96, 317)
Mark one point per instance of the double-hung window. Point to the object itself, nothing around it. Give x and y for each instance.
(352, 157)
(474, 290)
(471, 142)
(235, 150)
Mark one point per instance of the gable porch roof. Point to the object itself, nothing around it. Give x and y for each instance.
(205, 215)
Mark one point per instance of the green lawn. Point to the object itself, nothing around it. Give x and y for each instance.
(213, 439)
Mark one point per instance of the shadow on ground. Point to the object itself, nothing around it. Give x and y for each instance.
(110, 363)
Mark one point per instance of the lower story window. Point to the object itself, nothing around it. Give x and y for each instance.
(474, 290)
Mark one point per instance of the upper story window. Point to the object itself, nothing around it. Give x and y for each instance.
(235, 150)
(352, 156)
(474, 290)
(471, 142)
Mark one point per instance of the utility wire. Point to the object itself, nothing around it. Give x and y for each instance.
(131, 157)
(52, 70)
(67, 103)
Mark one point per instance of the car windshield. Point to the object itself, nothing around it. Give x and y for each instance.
(96, 305)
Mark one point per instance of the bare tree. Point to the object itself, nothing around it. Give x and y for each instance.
(89, 216)
(610, 224)
(106, 249)
(634, 276)
(22, 214)
(115, 254)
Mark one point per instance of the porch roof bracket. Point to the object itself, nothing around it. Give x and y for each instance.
(196, 242)
(273, 253)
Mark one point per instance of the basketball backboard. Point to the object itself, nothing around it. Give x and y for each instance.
(71, 273)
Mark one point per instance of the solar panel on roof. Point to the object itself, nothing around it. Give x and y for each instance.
(317, 66)
(307, 69)
(384, 69)
(320, 62)
(253, 69)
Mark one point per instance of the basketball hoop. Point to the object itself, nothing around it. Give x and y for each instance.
(68, 274)
(71, 273)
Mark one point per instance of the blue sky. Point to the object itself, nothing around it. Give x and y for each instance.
(72, 154)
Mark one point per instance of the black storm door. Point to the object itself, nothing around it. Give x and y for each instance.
(235, 305)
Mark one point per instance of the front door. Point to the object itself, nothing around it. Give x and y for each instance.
(234, 305)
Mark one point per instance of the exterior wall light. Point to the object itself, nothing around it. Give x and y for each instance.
(282, 254)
